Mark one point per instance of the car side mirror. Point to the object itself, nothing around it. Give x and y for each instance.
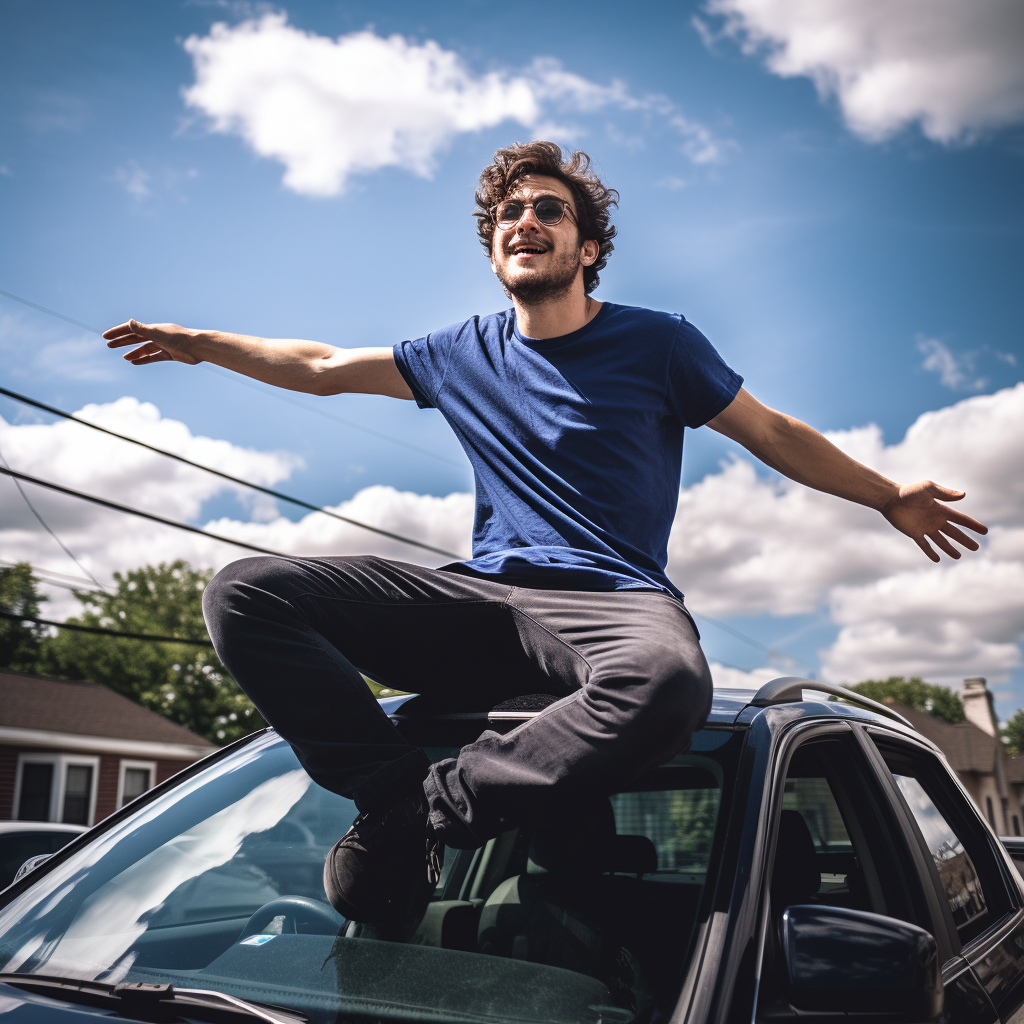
(849, 960)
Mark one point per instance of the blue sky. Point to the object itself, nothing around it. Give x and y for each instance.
(856, 270)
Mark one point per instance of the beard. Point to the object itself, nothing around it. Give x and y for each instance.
(533, 289)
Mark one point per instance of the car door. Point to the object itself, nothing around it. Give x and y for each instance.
(983, 904)
(840, 839)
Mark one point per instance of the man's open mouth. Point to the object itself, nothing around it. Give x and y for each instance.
(528, 250)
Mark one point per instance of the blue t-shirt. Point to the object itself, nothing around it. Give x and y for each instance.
(576, 442)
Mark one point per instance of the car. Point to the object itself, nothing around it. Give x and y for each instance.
(24, 840)
(807, 858)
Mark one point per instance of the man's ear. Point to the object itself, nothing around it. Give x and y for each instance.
(589, 252)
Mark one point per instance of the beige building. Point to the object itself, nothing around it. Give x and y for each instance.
(993, 778)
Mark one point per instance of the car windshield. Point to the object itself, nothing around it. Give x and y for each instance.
(216, 883)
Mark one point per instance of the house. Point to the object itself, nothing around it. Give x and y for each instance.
(75, 752)
(994, 780)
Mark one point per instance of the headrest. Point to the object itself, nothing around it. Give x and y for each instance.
(573, 838)
(634, 855)
(796, 876)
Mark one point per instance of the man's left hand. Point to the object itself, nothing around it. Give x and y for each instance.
(918, 511)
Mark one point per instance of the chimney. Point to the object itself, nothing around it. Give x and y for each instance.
(978, 705)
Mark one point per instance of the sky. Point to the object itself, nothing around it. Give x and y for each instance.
(829, 189)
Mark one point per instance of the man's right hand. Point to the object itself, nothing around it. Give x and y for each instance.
(156, 342)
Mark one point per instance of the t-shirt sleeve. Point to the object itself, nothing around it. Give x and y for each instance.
(424, 362)
(701, 383)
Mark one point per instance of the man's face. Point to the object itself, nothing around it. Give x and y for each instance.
(536, 261)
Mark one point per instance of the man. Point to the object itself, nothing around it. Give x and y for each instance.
(572, 414)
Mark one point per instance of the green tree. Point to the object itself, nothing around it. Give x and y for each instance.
(939, 701)
(185, 682)
(1013, 734)
(20, 641)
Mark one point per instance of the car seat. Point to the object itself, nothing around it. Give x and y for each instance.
(564, 909)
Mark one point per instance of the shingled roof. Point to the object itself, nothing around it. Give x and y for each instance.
(967, 748)
(83, 709)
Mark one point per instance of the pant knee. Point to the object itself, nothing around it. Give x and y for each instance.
(236, 583)
(680, 694)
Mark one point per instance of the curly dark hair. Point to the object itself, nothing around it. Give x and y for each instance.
(592, 200)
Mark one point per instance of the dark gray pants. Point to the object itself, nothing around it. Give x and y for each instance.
(626, 664)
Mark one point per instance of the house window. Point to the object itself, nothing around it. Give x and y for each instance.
(56, 787)
(1016, 826)
(134, 779)
(990, 813)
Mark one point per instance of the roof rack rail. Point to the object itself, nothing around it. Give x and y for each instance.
(789, 689)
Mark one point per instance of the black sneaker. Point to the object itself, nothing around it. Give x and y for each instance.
(386, 866)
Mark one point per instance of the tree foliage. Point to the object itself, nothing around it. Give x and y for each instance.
(1013, 734)
(939, 701)
(20, 641)
(185, 682)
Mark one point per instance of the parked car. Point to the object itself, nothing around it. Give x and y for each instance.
(21, 840)
(804, 859)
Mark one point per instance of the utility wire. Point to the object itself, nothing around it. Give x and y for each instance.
(117, 507)
(746, 639)
(225, 476)
(54, 579)
(77, 628)
(46, 526)
(241, 379)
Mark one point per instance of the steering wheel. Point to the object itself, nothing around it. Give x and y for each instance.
(309, 916)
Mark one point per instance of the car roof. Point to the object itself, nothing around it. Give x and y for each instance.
(39, 826)
(727, 705)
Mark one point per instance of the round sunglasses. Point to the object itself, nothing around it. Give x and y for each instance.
(549, 210)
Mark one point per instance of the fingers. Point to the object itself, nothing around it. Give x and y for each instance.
(944, 493)
(940, 542)
(124, 330)
(926, 548)
(148, 353)
(960, 537)
(971, 524)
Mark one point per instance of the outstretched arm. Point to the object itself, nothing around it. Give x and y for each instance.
(801, 453)
(308, 366)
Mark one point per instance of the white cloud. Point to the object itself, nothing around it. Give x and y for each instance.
(133, 179)
(954, 67)
(105, 541)
(744, 545)
(955, 371)
(725, 677)
(331, 108)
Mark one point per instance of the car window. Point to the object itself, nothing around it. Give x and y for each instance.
(957, 873)
(950, 828)
(584, 914)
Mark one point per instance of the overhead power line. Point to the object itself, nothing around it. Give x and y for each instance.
(226, 476)
(46, 526)
(117, 507)
(102, 631)
(241, 379)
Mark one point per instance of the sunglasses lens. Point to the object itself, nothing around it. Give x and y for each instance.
(548, 211)
(509, 212)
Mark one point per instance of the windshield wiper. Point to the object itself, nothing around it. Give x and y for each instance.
(148, 1002)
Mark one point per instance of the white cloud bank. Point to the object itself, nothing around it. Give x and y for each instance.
(331, 108)
(952, 66)
(740, 545)
(105, 541)
(744, 545)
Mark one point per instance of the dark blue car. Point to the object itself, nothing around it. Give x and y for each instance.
(804, 860)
